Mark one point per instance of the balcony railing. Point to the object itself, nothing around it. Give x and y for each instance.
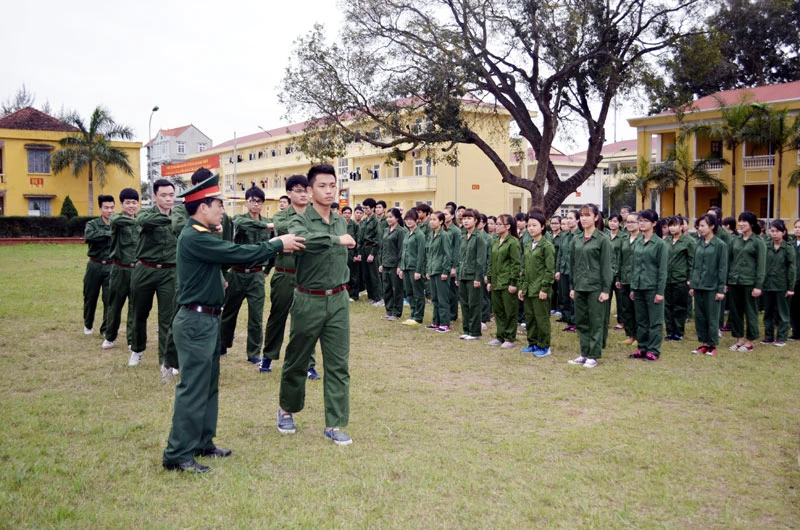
(759, 161)
(711, 165)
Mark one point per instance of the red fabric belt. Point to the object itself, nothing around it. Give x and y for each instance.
(126, 265)
(157, 265)
(369, 244)
(287, 271)
(208, 310)
(247, 271)
(326, 292)
(100, 261)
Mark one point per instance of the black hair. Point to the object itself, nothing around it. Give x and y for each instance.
(128, 194)
(506, 219)
(161, 183)
(535, 209)
(729, 222)
(358, 208)
(452, 205)
(717, 212)
(192, 207)
(471, 212)
(369, 202)
(201, 175)
(780, 226)
(334, 205)
(652, 216)
(557, 218)
(676, 220)
(538, 217)
(426, 209)
(285, 197)
(381, 203)
(397, 215)
(254, 192)
(440, 216)
(412, 214)
(483, 219)
(521, 216)
(104, 198)
(710, 219)
(320, 169)
(616, 216)
(594, 210)
(625, 207)
(461, 207)
(295, 180)
(751, 219)
(346, 208)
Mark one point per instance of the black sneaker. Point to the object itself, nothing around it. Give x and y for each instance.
(266, 365)
(312, 374)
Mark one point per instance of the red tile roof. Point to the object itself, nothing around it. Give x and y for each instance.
(291, 129)
(30, 119)
(761, 94)
(177, 131)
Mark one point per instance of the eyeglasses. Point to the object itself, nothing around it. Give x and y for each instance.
(299, 190)
(255, 201)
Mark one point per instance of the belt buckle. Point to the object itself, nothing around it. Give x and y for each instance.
(159, 266)
(328, 292)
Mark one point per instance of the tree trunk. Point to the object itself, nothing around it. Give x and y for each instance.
(733, 184)
(778, 186)
(686, 200)
(91, 191)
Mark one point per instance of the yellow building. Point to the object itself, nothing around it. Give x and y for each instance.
(266, 159)
(756, 165)
(28, 187)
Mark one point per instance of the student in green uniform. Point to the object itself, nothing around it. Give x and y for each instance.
(725, 234)
(617, 236)
(98, 270)
(486, 296)
(590, 278)
(456, 239)
(439, 262)
(391, 249)
(354, 286)
(521, 218)
(569, 229)
(321, 311)
(412, 269)
(679, 269)
(536, 280)
(794, 307)
(648, 283)
(196, 328)
(623, 280)
(247, 282)
(124, 237)
(369, 233)
(504, 270)
(469, 275)
(747, 256)
(707, 284)
(555, 229)
(779, 280)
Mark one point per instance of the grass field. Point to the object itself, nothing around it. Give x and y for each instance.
(446, 434)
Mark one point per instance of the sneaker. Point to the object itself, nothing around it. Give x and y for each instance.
(433, 327)
(87, 331)
(337, 436)
(627, 342)
(471, 337)
(745, 349)
(541, 352)
(136, 358)
(464, 336)
(702, 349)
(779, 343)
(557, 314)
(669, 337)
(286, 423)
(495, 342)
(711, 351)
(409, 322)
(528, 349)
(590, 363)
(484, 327)
(380, 303)
(720, 333)
(735, 347)
(386, 317)
(444, 329)
(725, 328)
(255, 360)
(768, 341)
(507, 344)
(312, 374)
(266, 365)
(392, 318)
(352, 299)
(794, 338)
(677, 337)
(571, 329)
(523, 325)
(166, 373)
(107, 345)
(405, 302)
(580, 360)
(650, 356)
(638, 354)
(619, 327)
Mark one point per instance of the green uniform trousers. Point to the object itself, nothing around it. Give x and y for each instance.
(171, 357)
(649, 321)
(486, 306)
(504, 305)
(244, 286)
(97, 277)
(567, 303)
(120, 288)
(371, 278)
(194, 420)
(355, 284)
(281, 296)
(454, 298)
(676, 307)
(741, 306)
(440, 298)
(706, 316)
(415, 294)
(147, 282)
(625, 310)
(537, 320)
(325, 319)
(776, 314)
(589, 321)
(392, 292)
(471, 299)
(794, 311)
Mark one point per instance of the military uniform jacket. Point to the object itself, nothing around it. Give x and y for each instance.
(624, 259)
(710, 267)
(616, 242)
(412, 258)
(590, 262)
(124, 237)
(200, 256)
(439, 254)
(681, 259)
(392, 246)
(352, 229)
(796, 247)
(565, 250)
(557, 240)
(538, 268)
(426, 229)
(489, 240)
(649, 264)
(98, 236)
(472, 262)
(780, 269)
(180, 217)
(157, 242)
(746, 261)
(456, 239)
(248, 231)
(504, 266)
(369, 234)
(322, 264)
(281, 227)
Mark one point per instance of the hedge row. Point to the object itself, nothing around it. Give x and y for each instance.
(19, 226)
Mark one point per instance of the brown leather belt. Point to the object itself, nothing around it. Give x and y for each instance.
(126, 265)
(369, 244)
(208, 310)
(157, 265)
(100, 261)
(325, 292)
(247, 271)
(287, 271)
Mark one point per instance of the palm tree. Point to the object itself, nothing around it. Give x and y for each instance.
(90, 149)
(681, 169)
(640, 181)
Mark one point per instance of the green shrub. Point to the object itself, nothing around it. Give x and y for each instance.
(68, 209)
(23, 226)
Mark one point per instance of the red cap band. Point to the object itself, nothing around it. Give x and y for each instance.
(202, 194)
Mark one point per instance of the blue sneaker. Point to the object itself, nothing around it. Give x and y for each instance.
(541, 352)
(312, 374)
(337, 436)
(528, 349)
(285, 423)
(266, 365)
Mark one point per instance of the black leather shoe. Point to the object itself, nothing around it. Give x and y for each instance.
(190, 466)
(215, 452)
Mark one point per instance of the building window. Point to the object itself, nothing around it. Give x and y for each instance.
(396, 170)
(342, 166)
(376, 171)
(1, 168)
(428, 167)
(38, 161)
(39, 207)
(181, 148)
(418, 168)
(201, 147)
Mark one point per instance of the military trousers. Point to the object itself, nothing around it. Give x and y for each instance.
(415, 294)
(567, 303)
(244, 286)
(392, 292)
(649, 321)
(194, 419)
(676, 307)
(589, 321)
(371, 278)
(537, 321)
(471, 299)
(504, 305)
(355, 284)
(625, 310)
(454, 298)
(323, 319)
(147, 282)
(706, 316)
(486, 305)
(776, 314)
(440, 298)
(794, 312)
(281, 296)
(742, 305)
(95, 279)
(120, 289)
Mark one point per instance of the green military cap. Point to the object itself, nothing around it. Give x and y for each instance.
(207, 189)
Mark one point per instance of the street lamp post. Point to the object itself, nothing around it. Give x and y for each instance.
(149, 147)
(608, 184)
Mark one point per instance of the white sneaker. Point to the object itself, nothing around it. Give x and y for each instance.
(507, 344)
(87, 331)
(470, 337)
(380, 303)
(166, 373)
(107, 345)
(484, 327)
(464, 336)
(590, 363)
(580, 360)
(495, 342)
(136, 358)
(175, 371)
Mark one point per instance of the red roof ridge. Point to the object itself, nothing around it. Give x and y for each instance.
(31, 119)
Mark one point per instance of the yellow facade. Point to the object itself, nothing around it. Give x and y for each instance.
(20, 189)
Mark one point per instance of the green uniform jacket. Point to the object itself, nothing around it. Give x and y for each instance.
(746, 261)
(557, 242)
(352, 229)
(504, 265)
(281, 226)
(98, 236)
(426, 229)
(565, 249)
(649, 265)
(323, 263)
(369, 236)
(472, 263)
(681, 259)
(710, 268)
(796, 248)
(616, 243)
(624, 259)
(157, 242)
(412, 258)
(538, 269)
(200, 256)
(590, 262)
(439, 254)
(180, 217)
(780, 268)
(248, 231)
(489, 240)
(456, 240)
(124, 238)
(392, 246)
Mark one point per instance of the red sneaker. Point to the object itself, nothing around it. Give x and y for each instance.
(701, 349)
(650, 356)
(638, 354)
(711, 351)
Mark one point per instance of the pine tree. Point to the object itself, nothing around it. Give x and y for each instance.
(68, 209)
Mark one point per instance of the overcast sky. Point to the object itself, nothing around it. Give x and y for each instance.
(215, 64)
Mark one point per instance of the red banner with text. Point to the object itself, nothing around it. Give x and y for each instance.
(190, 166)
